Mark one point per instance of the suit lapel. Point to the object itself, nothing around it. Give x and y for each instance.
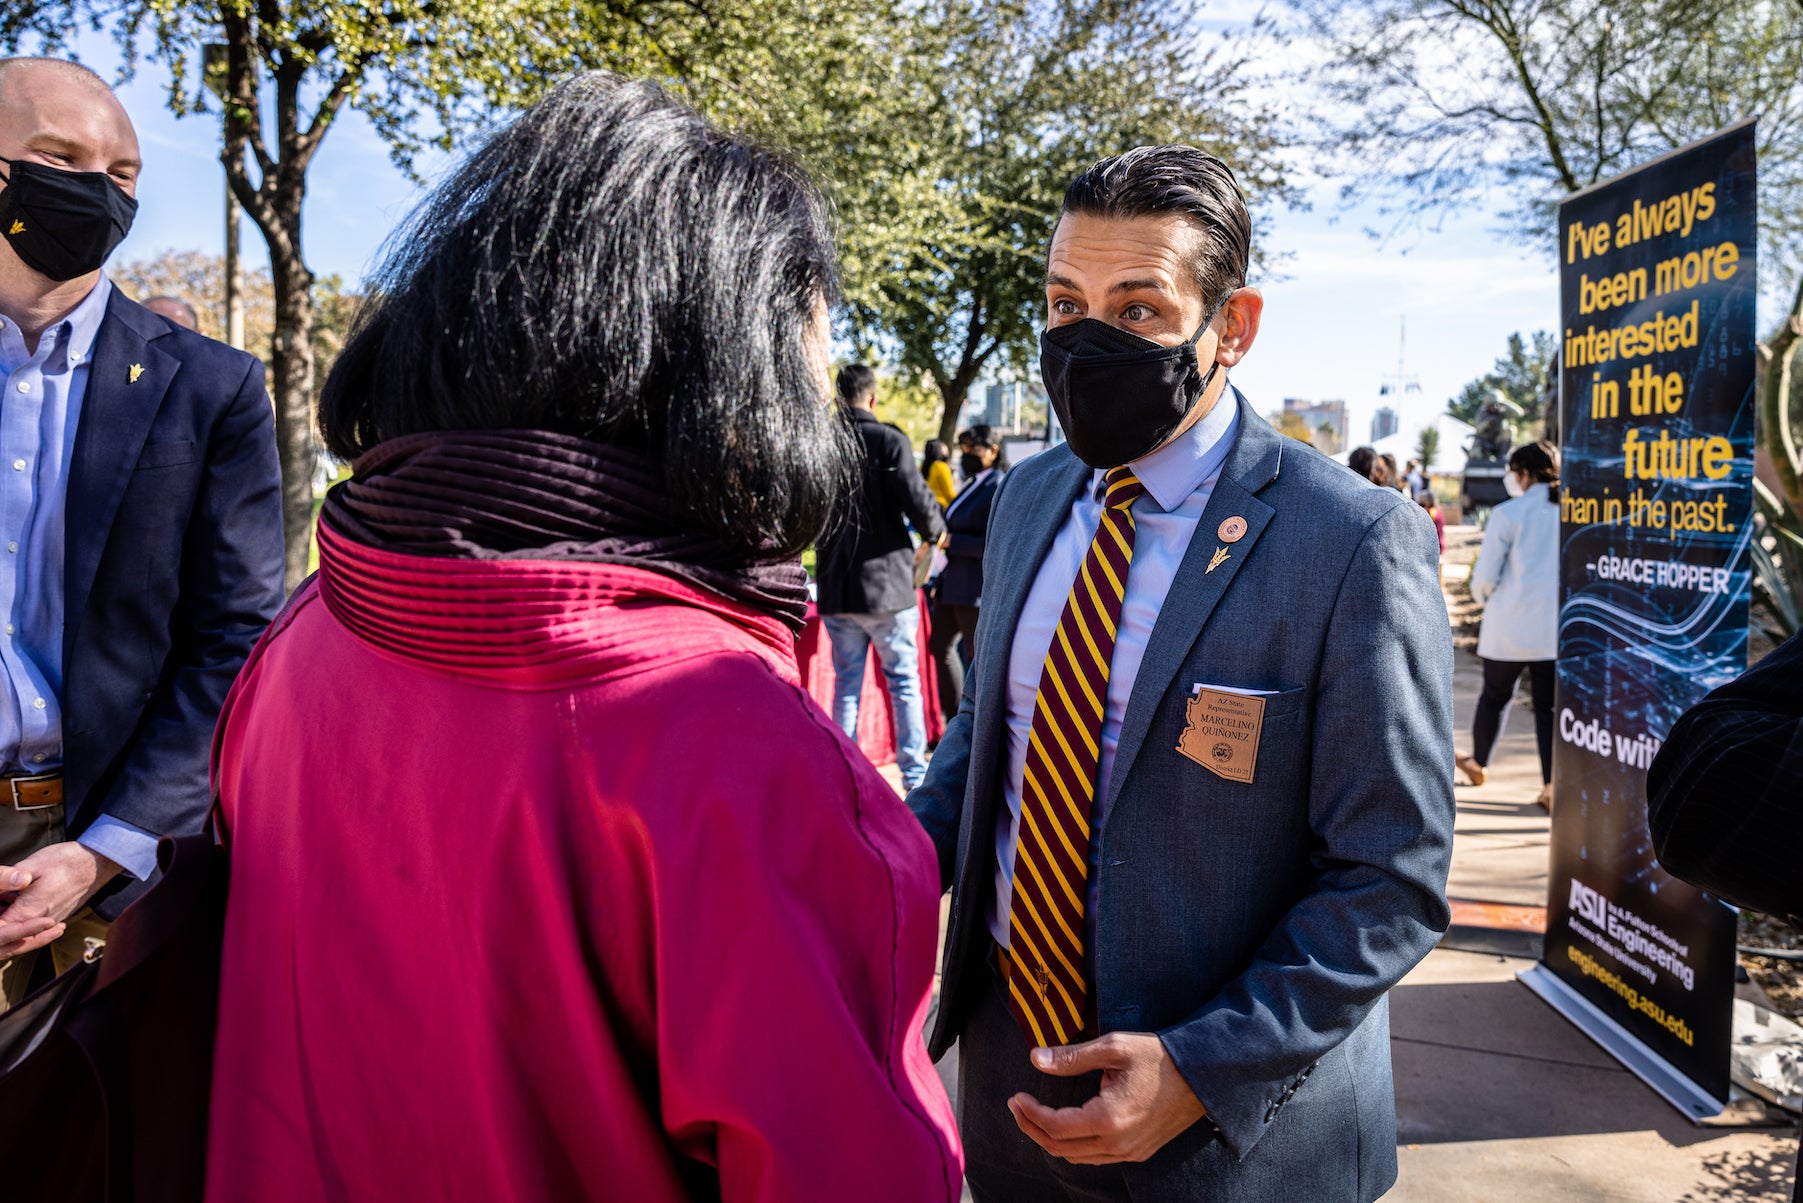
(125, 387)
(1043, 510)
(1201, 580)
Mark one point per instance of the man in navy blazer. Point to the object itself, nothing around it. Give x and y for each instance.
(140, 517)
(1271, 821)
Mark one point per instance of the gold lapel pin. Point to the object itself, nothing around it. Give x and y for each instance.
(137, 370)
(18, 227)
(1220, 558)
(1233, 529)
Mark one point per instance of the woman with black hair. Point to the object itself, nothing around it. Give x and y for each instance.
(549, 882)
(1516, 580)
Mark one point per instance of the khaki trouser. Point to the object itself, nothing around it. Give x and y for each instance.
(21, 834)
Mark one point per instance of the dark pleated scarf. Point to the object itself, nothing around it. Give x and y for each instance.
(533, 495)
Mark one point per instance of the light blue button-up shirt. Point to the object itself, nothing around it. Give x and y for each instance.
(1179, 478)
(40, 405)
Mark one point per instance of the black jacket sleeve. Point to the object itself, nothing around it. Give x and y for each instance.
(1725, 793)
(910, 492)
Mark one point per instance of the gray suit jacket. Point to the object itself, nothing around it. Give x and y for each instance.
(1255, 927)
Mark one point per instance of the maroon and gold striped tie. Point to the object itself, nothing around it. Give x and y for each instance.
(1048, 985)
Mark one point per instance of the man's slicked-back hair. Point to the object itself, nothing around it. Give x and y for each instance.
(613, 266)
(1153, 180)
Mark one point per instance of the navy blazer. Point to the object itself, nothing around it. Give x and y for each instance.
(1255, 927)
(967, 522)
(173, 547)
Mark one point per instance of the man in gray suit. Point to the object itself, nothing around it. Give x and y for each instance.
(1195, 811)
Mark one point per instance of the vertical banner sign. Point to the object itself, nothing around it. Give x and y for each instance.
(1657, 288)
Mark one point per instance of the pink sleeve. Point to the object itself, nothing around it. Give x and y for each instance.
(797, 919)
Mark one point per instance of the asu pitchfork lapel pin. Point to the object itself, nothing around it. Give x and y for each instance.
(137, 370)
(1220, 558)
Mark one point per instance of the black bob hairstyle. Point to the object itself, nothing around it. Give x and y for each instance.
(614, 267)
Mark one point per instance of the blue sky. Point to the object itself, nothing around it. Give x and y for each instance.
(1332, 317)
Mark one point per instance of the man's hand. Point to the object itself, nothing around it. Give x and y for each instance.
(47, 887)
(1144, 1102)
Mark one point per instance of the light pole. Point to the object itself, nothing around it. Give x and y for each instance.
(214, 72)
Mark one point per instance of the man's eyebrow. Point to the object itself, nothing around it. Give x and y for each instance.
(1137, 286)
(1148, 285)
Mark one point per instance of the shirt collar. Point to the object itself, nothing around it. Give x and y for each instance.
(1179, 468)
(78, 328)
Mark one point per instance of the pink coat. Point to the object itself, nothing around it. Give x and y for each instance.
(549, 883)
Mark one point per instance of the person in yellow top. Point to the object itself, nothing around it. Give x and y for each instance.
(936, 467)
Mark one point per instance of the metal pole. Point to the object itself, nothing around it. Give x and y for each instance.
(234, 291)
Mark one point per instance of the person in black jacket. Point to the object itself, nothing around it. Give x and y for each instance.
(865, 576)
(983, 464)
(1725, 793)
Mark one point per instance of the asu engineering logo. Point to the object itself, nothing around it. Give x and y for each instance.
(18, 227)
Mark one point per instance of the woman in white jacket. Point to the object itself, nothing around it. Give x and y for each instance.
(1516, 580)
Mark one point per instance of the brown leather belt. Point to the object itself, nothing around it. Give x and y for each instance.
(39, 791)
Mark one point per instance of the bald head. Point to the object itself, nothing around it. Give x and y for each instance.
(63, 115)
(74, 73)
(175, 309)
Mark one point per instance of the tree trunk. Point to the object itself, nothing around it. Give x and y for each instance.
(954, 392)
(292, 355)
(1775, 402)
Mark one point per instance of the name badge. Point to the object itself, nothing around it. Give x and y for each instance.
(1222, 733)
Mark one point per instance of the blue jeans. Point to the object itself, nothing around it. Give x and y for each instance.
(894, 636)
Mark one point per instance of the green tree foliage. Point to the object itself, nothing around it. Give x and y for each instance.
(421, 70)
(1435, 103)
(1427, 448)
(947, 133)
(1520, 373)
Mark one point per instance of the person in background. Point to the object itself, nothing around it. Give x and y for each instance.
(864, 573)
(143, 516)
(1416, 481)
(983, 464)
(631, 919)
(1392, 474)
(1516, 580)
(1364, 461)
(1427, 501)
(936, 467)
(176, 310)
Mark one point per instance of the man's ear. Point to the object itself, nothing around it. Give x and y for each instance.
(1239, 321)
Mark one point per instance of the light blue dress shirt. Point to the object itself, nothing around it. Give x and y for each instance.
(1179, 478)
(40, 406)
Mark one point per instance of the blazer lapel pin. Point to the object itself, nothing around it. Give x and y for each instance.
(1220, 558)
(137, 370)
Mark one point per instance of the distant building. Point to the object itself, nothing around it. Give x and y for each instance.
(1328, 426)
(1383, 423)
(1013, 408)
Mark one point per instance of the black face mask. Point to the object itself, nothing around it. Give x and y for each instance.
(970, 464)
(1118, 395)
(63, 224)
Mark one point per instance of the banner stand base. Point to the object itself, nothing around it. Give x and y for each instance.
(1696, 1103)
